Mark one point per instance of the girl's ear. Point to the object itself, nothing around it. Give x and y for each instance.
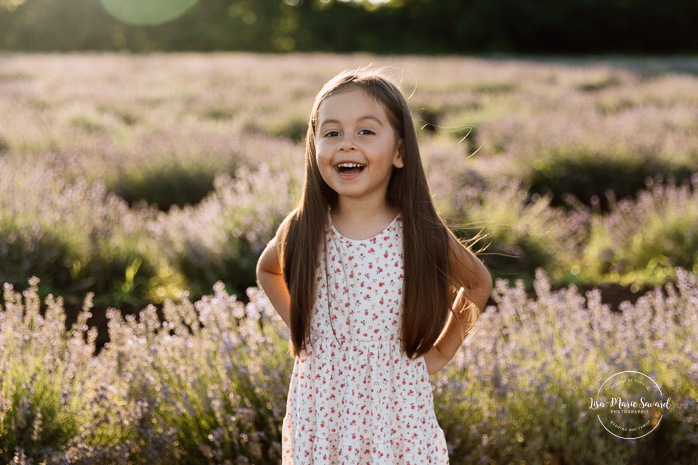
(398, 161)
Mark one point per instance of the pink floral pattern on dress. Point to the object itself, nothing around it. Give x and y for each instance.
(355, 397)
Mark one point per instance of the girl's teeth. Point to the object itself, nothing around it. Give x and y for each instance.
(349, 167)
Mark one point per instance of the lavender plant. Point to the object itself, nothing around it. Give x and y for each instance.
(206, 382)
(211, 377)
(519, 390)
(640, 242)
(514, 231)
(57, 400)
(224, 235)
(80, 236)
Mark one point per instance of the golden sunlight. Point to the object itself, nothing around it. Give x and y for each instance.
(141, 13)
(11, 5)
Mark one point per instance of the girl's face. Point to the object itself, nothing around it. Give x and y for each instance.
(356, 147)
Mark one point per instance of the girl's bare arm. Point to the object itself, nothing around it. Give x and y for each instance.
(271, 279)
(475, 282)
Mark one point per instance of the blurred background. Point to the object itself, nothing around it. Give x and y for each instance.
(380, 26)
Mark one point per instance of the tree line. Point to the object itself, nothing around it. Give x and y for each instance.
(396, 26)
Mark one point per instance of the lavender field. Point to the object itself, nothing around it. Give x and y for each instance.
(139, 191)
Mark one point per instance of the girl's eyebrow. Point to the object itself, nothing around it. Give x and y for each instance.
(362, 118)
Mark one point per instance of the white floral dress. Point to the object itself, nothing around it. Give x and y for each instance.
(355, 397)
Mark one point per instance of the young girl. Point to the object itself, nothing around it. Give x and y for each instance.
(376, 290)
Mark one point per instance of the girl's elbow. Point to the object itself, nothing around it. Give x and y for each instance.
(487, 282)
(259, 269)
(268, 262)
(485, 276)
(261, 274)
(484, 286)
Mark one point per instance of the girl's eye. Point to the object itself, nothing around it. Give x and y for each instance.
(366, 132)
(332, 134)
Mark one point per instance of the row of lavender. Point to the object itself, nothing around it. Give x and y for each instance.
(207, 383)
(139, 177)
(79, 237)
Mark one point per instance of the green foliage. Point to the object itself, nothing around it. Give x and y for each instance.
(224, 235)
(4, 145)
(161, 186)
(81, 237)
(641, 242)
(589, 176)
(174, 171)
(34, 419)
(294, 129)
(46, 379)
(26, 252)
(220, 403)
(401, 26)
(205, 386)
(512, 231)
(516, 234)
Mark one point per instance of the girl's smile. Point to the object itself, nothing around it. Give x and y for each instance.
(349, 169)
(356, 147)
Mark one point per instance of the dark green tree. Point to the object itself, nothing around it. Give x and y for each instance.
(400, 26)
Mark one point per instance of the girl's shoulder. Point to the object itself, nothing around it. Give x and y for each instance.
(286, 223)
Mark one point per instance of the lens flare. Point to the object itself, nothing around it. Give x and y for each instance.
(147, 12)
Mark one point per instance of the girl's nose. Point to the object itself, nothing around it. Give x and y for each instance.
(346, 144)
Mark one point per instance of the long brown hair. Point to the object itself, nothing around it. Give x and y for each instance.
(427, 292)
